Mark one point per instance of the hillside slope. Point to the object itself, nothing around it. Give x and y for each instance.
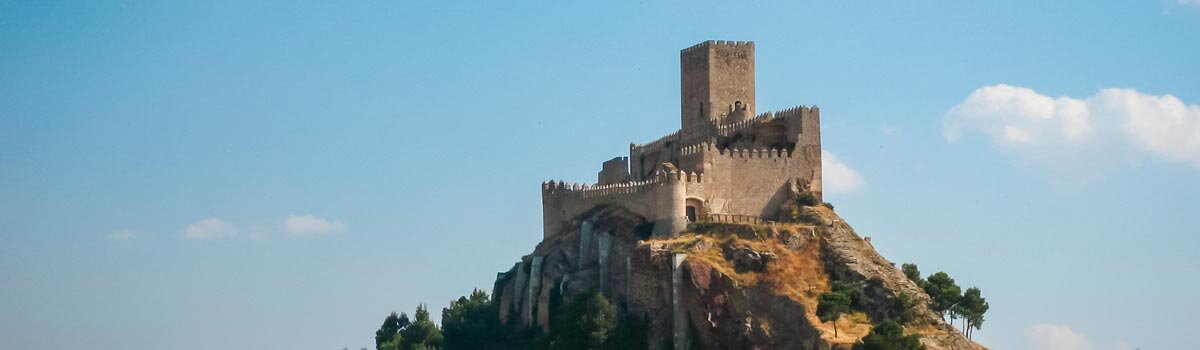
(730, 285)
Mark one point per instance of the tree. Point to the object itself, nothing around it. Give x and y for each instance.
(889, 335)
(630, 333)
(422, 333)
(394, 344)
(858, 298)
(973, 306)
(584, 323)
(944, 294)
(913, 274)
(831, 306)
(599, 320)
(387, 332)
(472, 323)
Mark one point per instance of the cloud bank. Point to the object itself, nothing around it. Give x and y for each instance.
(1056, 337)
(837, 177)
(309, 225)
(1112, 126)
(209, 229)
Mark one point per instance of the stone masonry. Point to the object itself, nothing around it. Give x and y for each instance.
(723, 160)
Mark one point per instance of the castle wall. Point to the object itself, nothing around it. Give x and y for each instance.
(652, 199)
(643, 159)
(747, 182)
(746, 162)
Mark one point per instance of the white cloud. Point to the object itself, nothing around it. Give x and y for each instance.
(309, 225)
(122, 235)
(210, 228)
(1195, 3)
(1056, 337)
(1123, 345)
(1091, 133)
(837, 177)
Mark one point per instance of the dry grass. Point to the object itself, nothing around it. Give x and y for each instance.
(850, 328)
(713, 256)
(798, 274)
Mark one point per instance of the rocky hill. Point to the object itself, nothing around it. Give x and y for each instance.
(734, 285)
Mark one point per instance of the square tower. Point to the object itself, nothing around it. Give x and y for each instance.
(716, 83)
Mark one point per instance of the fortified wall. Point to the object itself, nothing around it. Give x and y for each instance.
(724, 159)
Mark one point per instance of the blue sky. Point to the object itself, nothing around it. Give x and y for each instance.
(216, 174)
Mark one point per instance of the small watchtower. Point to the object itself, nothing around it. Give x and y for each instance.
(716, 84)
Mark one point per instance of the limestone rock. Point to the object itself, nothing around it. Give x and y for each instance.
(746, 259)
(739, 290)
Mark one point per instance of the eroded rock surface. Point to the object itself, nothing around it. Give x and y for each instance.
(743, 286)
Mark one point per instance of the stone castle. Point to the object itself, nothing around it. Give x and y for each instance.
(724, 163)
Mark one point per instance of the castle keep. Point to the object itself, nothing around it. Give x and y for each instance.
(724, 162)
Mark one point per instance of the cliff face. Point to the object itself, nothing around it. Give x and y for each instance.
(720, 286)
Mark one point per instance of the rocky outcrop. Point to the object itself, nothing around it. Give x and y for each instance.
(850, 258)
(739, 287)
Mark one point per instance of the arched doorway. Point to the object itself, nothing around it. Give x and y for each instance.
(695, 209)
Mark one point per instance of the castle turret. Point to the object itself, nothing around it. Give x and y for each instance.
(615, 170)
(671, 207)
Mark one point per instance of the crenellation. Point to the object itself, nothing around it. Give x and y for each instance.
(724, 158)
(674, 136)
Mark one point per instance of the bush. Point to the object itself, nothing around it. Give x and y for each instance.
(889, 335)
(807, 199)
(901, 308)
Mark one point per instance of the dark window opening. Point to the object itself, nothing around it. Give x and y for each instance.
(691, 213)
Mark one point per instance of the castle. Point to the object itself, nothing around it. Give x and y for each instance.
(724, 161)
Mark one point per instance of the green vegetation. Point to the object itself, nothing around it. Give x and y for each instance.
(472, 323)
(397, 333)
(590, 321)
(944, 293)
(901, 309)
(947, 298)
(390, 328)
(971, 308)
(807, 199)
(889, 335)
(798, 206)
(913, 274)
(858, 299)
(584, 323)
(831, 306)
(587, 321)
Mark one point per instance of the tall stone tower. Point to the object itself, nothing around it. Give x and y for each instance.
(716, 84)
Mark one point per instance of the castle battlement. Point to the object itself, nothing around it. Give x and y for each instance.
(723, 160)
(756, 153)
(563, 189)
(658, 143)
(713, 43)
(797, 113)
